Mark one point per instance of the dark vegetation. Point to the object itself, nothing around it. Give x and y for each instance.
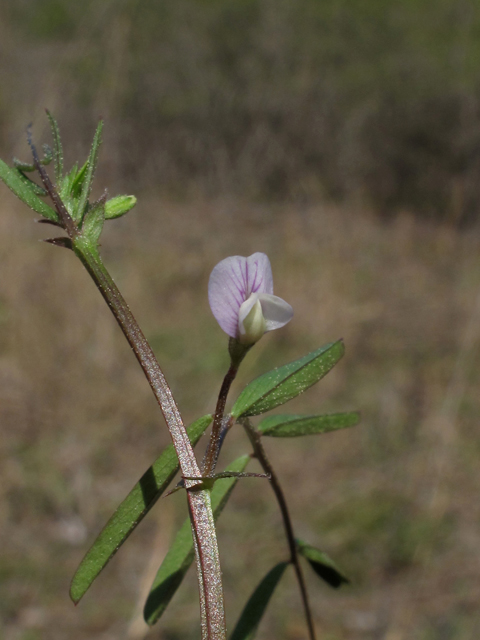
(370, 101)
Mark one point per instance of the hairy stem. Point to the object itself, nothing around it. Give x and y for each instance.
(200, 508)
(255, 438)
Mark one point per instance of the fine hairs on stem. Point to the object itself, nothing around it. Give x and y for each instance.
(240, 294)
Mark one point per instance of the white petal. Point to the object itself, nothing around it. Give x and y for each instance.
(252, 324)
(277, 312)
(245, 309)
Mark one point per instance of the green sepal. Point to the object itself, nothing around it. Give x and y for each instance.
(57, 149)
(131, 512)
(322, 564)
(93, 222)
(181, 553)
(276, 387)
(119, 206)
(292, 426)
(89, 173)
(25, 192)
(247, 625)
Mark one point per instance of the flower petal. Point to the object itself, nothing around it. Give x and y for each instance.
(276, 311)
(251, 323)
(232, 282)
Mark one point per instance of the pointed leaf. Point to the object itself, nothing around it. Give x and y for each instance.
(291, 426)
(276, 387)
(181, 554)
(322, 564)
(25, 192)
(57, 149)
(119, 206)
(246, 627)
(130, 513)
(63, 242)
(92, 165)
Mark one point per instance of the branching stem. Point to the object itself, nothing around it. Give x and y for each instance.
(201, 514)
(256, 441)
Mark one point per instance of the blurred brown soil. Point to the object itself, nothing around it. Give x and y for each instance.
(394, 500)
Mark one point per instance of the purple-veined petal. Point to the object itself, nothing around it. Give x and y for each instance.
(232, 282)
(277, 312)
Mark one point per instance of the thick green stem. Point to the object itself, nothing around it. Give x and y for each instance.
(260, 453)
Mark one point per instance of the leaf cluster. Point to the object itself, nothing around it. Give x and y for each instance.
(73, 187)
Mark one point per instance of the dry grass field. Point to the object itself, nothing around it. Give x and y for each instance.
(394, 500)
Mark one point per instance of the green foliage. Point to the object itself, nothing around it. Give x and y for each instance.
(119, 206)
(322, 564)
(93, 222)
(292, 426)
(276, 387)
(131, 512)
(246, 627)
(25, 192)
(180, 555)
(57, 148)
(86, 184)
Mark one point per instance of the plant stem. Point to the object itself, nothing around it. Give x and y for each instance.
(203, 528)
(200, 508)
(213, 448)
(256, 440)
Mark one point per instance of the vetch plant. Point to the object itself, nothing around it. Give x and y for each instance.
(241, 298)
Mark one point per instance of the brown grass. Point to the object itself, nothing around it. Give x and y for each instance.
(394, 501)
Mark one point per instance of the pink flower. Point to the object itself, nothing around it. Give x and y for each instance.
(240, 293)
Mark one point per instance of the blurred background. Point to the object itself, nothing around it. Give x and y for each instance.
(342, 138)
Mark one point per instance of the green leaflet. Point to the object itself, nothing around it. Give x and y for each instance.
(57, 149)
(322, 564)
(181, 554)
(130, 512)
(276, 387)
(90, 171)
(25, 192)
(119, 206)
(246, 627)
(292, 426)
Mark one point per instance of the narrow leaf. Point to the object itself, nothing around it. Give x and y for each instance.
(90, 171)
(57, 149)
(247, 625)
(287, 426)
(276, 387)
(130, 513)
(119, 206)
(25, 192)
(181, 554)
(322, 564)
